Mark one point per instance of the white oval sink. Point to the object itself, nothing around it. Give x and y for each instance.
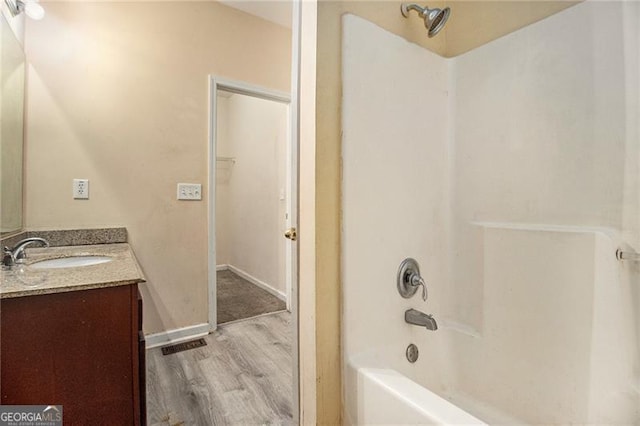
(71, 262)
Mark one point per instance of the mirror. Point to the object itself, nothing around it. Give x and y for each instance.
(12, 71)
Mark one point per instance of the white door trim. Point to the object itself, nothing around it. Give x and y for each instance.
(215, 84)
(292, 200)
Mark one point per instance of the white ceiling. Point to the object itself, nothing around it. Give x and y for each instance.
(276, 11)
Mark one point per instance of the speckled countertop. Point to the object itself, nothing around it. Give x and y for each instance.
(27, 281)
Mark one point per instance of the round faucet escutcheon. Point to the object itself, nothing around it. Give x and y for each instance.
(409, 279)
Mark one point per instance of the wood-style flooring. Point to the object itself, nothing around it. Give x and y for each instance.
(242, 377)
(240, 299)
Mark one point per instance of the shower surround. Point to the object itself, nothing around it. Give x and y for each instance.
(510, 173)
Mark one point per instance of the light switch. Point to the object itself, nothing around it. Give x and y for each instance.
(189, 191)
(81, 189)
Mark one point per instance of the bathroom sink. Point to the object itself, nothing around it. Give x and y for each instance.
(71, 262)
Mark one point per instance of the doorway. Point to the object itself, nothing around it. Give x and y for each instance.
(246, 370)
(252, 183)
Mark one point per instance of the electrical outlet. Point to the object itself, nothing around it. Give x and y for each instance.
(189, 191)
(81, 189)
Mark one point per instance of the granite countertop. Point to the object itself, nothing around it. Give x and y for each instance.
(27, 281)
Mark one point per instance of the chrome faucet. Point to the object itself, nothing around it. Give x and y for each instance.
(11, 256)
(414, 317)
(409, 279)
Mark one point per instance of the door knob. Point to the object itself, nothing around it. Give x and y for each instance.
(291, 234)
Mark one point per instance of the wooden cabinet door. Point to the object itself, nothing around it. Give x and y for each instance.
(78, 349)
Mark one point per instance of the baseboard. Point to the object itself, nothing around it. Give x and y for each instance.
(253, 280)
(176, 335)
(222, 267)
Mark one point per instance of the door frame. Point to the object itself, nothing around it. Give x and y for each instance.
(242, 88)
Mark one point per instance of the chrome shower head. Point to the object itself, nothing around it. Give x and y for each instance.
(434, 19)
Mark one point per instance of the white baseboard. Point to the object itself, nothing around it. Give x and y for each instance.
(253, 280)
(222, 267)
(176, 335)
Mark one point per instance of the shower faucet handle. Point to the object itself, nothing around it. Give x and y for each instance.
(416, 280)
(409, 279)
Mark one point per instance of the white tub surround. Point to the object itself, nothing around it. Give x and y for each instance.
(510, 174)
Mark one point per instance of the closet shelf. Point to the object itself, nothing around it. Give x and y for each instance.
(231, 160)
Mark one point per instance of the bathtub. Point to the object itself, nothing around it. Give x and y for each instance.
(385, 396)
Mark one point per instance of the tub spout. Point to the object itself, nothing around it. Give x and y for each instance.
(414, 317)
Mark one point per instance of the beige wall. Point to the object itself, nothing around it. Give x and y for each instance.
(118, 95)
(456, 38)
(251, 222)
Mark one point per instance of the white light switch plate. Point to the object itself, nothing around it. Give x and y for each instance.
(81, 189)
(189, 191)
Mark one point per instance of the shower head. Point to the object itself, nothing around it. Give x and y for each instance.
(434, 19)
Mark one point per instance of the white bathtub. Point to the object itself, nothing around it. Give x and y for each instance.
(385, 396)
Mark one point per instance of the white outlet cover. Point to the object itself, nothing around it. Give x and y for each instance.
(81, 189)
(190, 191)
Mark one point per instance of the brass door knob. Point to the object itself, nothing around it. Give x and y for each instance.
(291, 234)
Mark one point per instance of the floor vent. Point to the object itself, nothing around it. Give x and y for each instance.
(192, 344)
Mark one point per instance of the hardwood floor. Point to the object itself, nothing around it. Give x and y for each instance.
(242, 377)
(239, 299)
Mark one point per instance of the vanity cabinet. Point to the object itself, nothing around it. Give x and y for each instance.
(80, 349)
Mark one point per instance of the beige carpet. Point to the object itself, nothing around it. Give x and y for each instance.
(239, 299)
